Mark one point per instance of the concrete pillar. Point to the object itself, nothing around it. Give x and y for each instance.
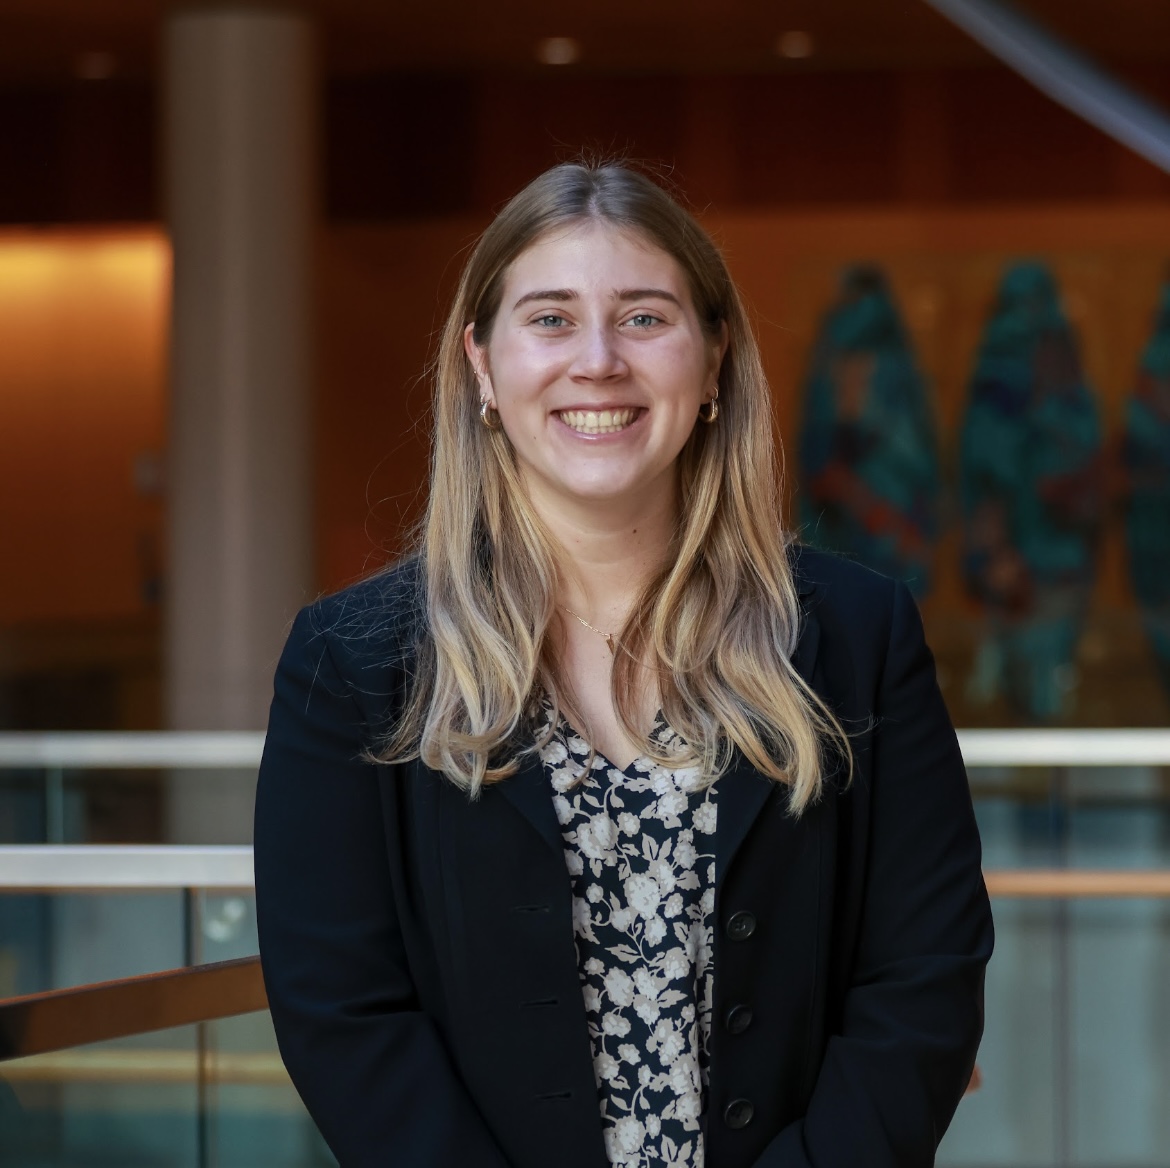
(239, 133)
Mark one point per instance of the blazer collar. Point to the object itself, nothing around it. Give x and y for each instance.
(743, 791)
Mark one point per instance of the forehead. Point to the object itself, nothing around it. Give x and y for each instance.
(594, 257)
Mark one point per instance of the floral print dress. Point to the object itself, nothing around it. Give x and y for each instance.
(639, 845)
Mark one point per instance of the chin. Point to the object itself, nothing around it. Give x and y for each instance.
(601, 490)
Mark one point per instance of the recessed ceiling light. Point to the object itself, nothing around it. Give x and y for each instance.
(795, 45)
(558, 50)
(95, 65)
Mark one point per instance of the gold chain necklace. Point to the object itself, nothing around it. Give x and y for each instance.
(600, 632)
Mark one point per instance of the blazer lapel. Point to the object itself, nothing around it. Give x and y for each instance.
(529, 792)
(743, 791)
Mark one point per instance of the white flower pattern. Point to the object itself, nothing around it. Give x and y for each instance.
(639, 847)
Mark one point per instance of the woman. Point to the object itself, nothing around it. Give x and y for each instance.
(613, 827)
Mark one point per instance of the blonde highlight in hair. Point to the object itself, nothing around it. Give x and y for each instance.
(718, 625)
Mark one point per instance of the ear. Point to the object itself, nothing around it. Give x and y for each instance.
(719, 349)
(479, 362)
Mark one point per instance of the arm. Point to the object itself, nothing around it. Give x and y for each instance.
(369, 1065)
(913, 1010)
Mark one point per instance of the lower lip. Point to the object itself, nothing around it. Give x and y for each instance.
(612, 436)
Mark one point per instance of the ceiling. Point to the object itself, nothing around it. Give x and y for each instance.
(46, 39)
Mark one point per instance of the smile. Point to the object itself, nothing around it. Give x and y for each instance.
(598, 421)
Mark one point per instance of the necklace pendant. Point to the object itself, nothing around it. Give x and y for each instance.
(608, 637)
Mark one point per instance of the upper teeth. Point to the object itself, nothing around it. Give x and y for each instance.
(597, 422)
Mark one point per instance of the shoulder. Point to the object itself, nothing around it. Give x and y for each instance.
(367, 634)
(855, 607)
(385, 607)
(836, 581)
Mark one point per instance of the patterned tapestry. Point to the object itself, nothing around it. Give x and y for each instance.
(1146, 460)
(1032, 496)
(868, 453)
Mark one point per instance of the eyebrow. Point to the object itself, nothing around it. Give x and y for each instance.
(563, 294)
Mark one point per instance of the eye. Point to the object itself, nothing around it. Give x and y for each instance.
(644, 320)
(549, 320)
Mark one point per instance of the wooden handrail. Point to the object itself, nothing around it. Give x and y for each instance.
(62, 1019)
(108, 1064)
(59, 1019)
(1077, 883)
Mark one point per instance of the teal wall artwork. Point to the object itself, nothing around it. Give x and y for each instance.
(868, 451)
(1032, 497)
(1146, 467)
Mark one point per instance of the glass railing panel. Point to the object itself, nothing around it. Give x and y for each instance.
(255, 1114)
(127, 805)
(1076, 1054)
(225, 925)
(54, 941)
(144, 1101)
(58, 805)
(1013, 1120)
(1118, 1032)
(1084, 817)
(130, 1102)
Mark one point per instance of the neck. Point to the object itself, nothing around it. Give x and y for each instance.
(610, 550)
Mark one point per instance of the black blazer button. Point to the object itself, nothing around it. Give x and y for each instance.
(738, 1019)
(738, 1113)
(741, 926)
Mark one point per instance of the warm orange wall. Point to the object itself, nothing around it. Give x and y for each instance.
(82, 357)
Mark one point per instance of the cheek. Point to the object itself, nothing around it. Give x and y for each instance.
(518, 369)
(687, 371)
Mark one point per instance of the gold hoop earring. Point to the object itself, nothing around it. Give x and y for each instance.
(489, 415)
(713, 408)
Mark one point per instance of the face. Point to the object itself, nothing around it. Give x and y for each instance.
(597, 364)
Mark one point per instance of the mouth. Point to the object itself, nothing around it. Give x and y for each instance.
(599, 421)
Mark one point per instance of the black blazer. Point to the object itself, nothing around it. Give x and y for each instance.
(418, 947)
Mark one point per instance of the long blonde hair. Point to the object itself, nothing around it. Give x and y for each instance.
(717, 625)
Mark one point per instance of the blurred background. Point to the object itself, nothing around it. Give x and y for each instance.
(228, 236)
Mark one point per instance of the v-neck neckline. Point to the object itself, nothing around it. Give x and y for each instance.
(566, 729)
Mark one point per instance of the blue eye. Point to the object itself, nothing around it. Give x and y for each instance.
(550, 320)
(643, 320)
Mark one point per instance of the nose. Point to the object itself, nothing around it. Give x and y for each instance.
(597, 356)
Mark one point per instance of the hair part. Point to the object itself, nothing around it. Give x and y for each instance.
(718, 625)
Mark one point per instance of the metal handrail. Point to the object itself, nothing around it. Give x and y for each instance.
(101, 867)
(131, 750)
(1065, 748)
(216, 749)
(60, 1019)
(84, 868)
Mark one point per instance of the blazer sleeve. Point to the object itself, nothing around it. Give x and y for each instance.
(368, 1063)
(893, 1075)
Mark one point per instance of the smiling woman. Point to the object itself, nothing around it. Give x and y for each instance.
(592, 292)
(613, 826)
